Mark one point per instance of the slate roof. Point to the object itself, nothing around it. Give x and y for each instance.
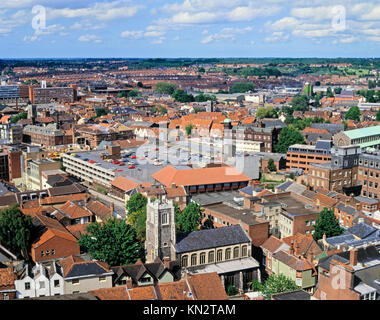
(362, 230)
(212, 238)
(293, 295)
(78, 267)
(364, 256)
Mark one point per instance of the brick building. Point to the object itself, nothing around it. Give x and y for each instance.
(46, 136)
(301, 156)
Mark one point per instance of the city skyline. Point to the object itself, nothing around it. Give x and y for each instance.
(189, 28)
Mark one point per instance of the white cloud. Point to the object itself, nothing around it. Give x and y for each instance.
(103, 11)
(226, 34)
(137, 34)
(90, 38)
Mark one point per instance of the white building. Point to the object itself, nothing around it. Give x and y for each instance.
(41, 281)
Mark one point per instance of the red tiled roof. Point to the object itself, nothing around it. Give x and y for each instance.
(124, 184)
(169, 175)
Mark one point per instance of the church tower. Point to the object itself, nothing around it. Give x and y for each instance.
(160, 230)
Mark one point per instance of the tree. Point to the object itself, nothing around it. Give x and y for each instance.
(266, 112)
(201, 70)
(136, 202)
(277, 283)
(378, 115)
(242, 87)
(114, 242)
(140, 84)
(163, 110)
(101, 112)
(204, 97)
(188, 129)
(338, 90)
(136, 208)
(300, 103)
(288, 136)
(182, 96)
(165, 88)
(329, 93)
(18, 117)
(190, 218)
(16, 230)
(353, 114)
(231, 290)
(122, 94)
(134, 93)
(271, 166)
(327, 224)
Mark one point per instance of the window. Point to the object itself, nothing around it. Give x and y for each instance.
(56, 284)
(269, 265)
(184, 261)
(219, 255)
(211, 257)
(244, 251)
(47, 252)
(228, 254)
(102, 279)
(42, 285)
(307, 222)
(164, 218)
(202, 258)
(236, 252)
(5, 297)
(52, 251)
(194, 259)
(75, 282)
(42, 253)
(27, 285)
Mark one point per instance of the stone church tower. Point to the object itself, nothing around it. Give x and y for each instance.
(160, 230)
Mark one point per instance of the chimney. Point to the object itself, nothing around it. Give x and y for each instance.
(347, 201)
(112, 208)
(354, 257)
(358, 207)
(174, 185)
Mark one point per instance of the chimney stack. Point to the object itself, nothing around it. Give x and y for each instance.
(354, 257)
(112, 208)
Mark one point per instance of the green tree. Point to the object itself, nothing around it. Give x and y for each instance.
(378, 115)
(16, 230)
(201, 70)
(134, 93)
(278, 283)
(136, 202)
(204, 97)
(266, 112)
(329, 93)
(271, 165)
(182, 96)
(122, 94)
(327, 224)
(101, 112)
(231, 290)
(288, 136)
(188, 129)
(190, 218)
(165, 88)
(300, 103)
(18, 117)
(353, 114)
(242, 87)
(163, 110)
(114, 242)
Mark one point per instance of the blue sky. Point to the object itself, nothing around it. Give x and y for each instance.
(189, 28)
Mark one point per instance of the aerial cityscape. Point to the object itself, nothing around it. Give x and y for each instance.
(190, 150)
